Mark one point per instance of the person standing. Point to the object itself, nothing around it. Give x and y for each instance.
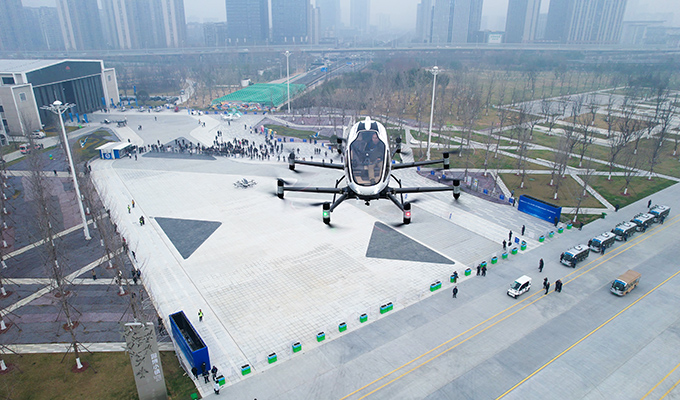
(603, 248)
(479, 268)
(194, 371)
(510, 237)
(455, 291)
(540, 265)
(483, 270)
(546, 285)
(649, 203)
(455, 276)
(200, 315)
(558, 286)
(505, 245)
(133, 203)
(523, 229)
(214, 372)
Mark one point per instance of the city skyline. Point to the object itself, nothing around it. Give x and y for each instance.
(402, 13)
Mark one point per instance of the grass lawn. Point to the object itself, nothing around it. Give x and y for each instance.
(44, 376)
(290, 132)
(476, 160)
(92, 141)
(640, 187)
(537, 186)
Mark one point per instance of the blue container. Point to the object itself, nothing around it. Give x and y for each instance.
(189, 341)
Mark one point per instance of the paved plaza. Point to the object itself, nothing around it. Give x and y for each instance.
(268, 273)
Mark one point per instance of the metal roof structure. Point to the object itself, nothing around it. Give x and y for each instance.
(271, 94)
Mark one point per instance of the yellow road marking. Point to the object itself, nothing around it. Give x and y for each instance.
(657, 229)
(587, 336)
(660, 382)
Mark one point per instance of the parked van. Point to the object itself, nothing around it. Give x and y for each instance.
(25, 148)
(625, 283)
(643, 221)
(518, 287)
(624, 230)
(605, 240)
(574, 255)
(660, 212)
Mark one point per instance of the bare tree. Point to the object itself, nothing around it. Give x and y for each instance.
(626, 124)
(664, 118)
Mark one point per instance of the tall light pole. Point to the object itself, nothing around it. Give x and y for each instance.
(287, 53)
(58, 108)
(435, 71)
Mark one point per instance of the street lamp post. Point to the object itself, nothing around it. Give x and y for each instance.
(287, 53)
(435, 71)
(58, 108)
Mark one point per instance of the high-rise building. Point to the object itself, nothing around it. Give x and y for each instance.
(12, 23)
(174, 22)
(585, 21)
(290, 21)
(359, 15)
(48, 20)
(449, 21)
(80, 24)
(132, 24)
(329, 17)
(521, 23)
(424, 21)
(247, 21)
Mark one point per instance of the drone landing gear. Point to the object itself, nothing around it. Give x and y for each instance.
(407, 213)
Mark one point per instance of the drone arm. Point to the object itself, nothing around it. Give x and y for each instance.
(444, 160)
(338, 201)
(395, 201)
(310, 189)
(320, 164)
(422, 189)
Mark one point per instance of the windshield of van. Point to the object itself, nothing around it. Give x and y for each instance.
(618, 285)
(516, 285)
(568, 256)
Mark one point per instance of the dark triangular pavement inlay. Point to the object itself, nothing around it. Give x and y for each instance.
(388, 243)
(187, 235)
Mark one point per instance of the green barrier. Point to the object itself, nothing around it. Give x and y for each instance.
(468, 272)
(452, 279)
(504, 256)
(245, 369)
(363, 318)
(385, 308)
(342, 327)
(514, 250)
(541, 239)
(551, 234)
(569, 225)
(320, 337)
(272, 358)
(297, 347)
(560, 230)
(494, 260)
(524, 245)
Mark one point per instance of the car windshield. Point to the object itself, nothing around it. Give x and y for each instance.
(568, 256)
(367, 153)
(516, 285)
(618, 285)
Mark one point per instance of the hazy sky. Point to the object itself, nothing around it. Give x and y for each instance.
(403, 12)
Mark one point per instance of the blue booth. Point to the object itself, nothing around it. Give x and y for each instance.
(539, 208)
(189, 341)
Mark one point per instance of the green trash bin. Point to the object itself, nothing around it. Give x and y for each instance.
(494, 260)
(604, 215)
(514, 250)
(468, 272)
(541, 239)
(524, 245)
(504, 256)
(551, 234)
(569, 225)
(560, 230)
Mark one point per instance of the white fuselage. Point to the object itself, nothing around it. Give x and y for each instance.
(367, 158)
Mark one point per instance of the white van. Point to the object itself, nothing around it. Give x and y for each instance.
(660, 212)
(643, 221)
(518, 287)
(624, 230)
(604, 240)
(575, 255)
(38, 134)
